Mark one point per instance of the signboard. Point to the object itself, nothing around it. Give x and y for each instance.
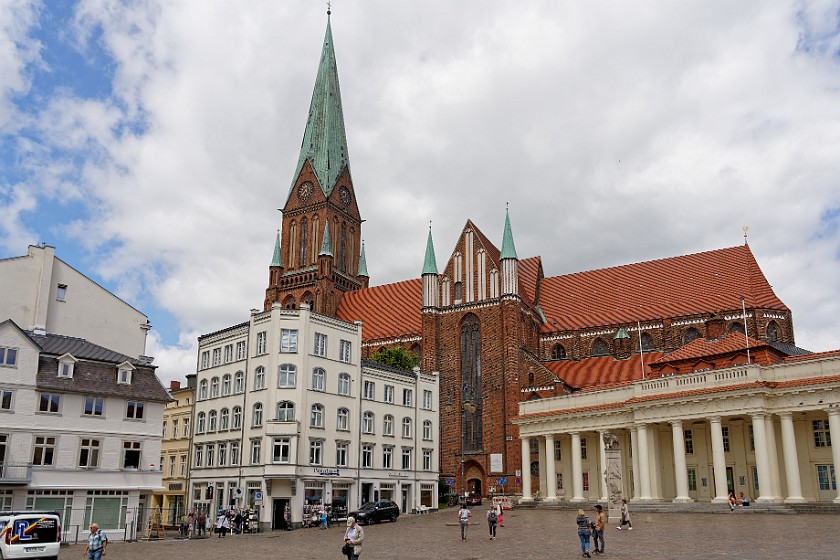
(501, 481)
(496, 462)
(258, 495)
(450, 481)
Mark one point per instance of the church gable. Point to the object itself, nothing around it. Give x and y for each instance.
(472, 272)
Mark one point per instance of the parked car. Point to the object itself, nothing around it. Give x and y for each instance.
(374, 512)
(29, 535)
(474, 499)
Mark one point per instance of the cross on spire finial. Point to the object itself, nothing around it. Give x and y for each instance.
(430, 225)
(329, 8)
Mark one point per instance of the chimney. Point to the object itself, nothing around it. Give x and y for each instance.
(174, 385)
(191, 380)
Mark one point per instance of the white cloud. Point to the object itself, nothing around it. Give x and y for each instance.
(618, 133)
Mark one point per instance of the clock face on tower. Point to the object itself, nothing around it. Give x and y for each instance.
(305, 191)
(344, 196)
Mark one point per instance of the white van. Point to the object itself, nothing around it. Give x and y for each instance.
(29, 534)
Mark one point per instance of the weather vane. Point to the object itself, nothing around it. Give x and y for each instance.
(745, 229)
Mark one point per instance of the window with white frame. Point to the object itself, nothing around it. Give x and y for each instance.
(688, 437)
(8, 356)
(558, 450)
(427, 430)
(427, 399)
(288, 340)
(406, 458)
(49, 402)
(234, 453)
(236, 418)
(427, 459)
(172, 460)
(163, 431)
(316, 452)
(222, 454)
(217, 356)
(319, 379)
(286, 376)
(342, 452)
(174, 428)
(44, 451)
(725, 432)
(205, 359)
(65, 367)
(228, 353)
(239, 382)
(344, 349)
(131, 454)
(224, 420)
(201, 422)
(202, 389)
(256, 448)
(89, 453)
(343, 420)
(211, 455)
(583, 448)
(94, 406)
(199, 455)
(6, 399)
(182, 466)
(388, 426)
(369, 390)
(286, 411)
(822, 434)
(134, 410)
(124, 376)
(406, 427)
(186, 427)
(388, 457)
(61, 292)
(344, 384)
(240, 350)
(367, 456)
(226, 384)
(319, 347)
(585, 482)
(316, 416)
(389, 394)
(259, 378)
(257, 415)
(408, 396)
(214, 388)
(367, 422)
(281, 450)
(262, 339)
(212, 417)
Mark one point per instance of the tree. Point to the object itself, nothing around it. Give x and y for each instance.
(396, 357)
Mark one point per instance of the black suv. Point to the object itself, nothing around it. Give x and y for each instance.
(374, 512)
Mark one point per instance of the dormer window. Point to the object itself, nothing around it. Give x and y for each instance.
(124, 373)
(66, 365)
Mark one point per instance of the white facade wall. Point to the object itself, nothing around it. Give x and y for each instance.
(84, 309)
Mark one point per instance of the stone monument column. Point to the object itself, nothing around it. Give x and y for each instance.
(612, 474)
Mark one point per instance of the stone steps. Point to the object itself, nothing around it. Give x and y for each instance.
(694, 507)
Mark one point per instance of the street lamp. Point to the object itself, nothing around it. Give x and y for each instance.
(466, 406)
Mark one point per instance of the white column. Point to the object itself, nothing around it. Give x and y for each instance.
(794, 482)
(644, 463)
(634, 443)
(653, 463)
(541, 460)
(834, 432)
(761, 459)
(550, 471)
(773, 455)
(719, 461)
(526, 470)
(680, 469)
(577, 469)
(602, 467)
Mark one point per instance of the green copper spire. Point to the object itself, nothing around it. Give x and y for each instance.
(430, 264)
(508, 249)
(363, 263)
(277, 259)
(326, 245)
(324, 141)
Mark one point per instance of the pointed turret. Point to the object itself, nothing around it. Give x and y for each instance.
(275, 271)
(277, 259)
(509, 261)
(431, 294)
(324, 141)
(363, 275)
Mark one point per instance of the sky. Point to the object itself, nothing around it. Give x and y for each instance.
(152, 142)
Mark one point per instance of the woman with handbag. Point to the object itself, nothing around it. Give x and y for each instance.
(584, 529)
(353, 538)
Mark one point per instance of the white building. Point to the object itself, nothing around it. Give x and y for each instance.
(287, 415)
(80, 430)
(42, 293)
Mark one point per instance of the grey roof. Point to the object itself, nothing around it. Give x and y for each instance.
(96, 370)
(789, 348)
(370, 364)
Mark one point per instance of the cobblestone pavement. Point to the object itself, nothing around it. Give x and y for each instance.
(527, 534)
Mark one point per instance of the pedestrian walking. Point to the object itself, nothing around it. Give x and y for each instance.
(202, 522)
(97, 543)
(464, 520)
(625, 516)
(190, 523)
(584, 529)
(222, 525)
(500, 511)
(492, 521)
(353, 538)
(598, 533)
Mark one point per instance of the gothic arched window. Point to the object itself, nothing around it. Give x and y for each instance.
(647, 343)
(773, 331)
(558, 352)
(736, 327)
(471, 383)
(600, 348)
(691, 334)
(342, 248)
(289, 302)
(304, 231)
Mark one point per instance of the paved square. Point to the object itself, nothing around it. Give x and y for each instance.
(527, 534)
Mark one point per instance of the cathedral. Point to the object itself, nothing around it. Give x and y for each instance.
(498, 331)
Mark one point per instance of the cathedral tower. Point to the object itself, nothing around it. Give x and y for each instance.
(320, 241)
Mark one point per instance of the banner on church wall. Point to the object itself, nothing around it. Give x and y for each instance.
(496, 462)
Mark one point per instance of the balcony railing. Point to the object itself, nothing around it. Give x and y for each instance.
(15, 473)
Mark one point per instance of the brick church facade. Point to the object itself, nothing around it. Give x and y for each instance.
(498, 331)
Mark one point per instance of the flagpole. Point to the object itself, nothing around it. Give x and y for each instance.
(746, 336)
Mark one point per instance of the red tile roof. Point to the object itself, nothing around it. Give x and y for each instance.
(703, 348)
(529, 270)
(814, 356)
(388, 311)
(678, 286)
(598, 373)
